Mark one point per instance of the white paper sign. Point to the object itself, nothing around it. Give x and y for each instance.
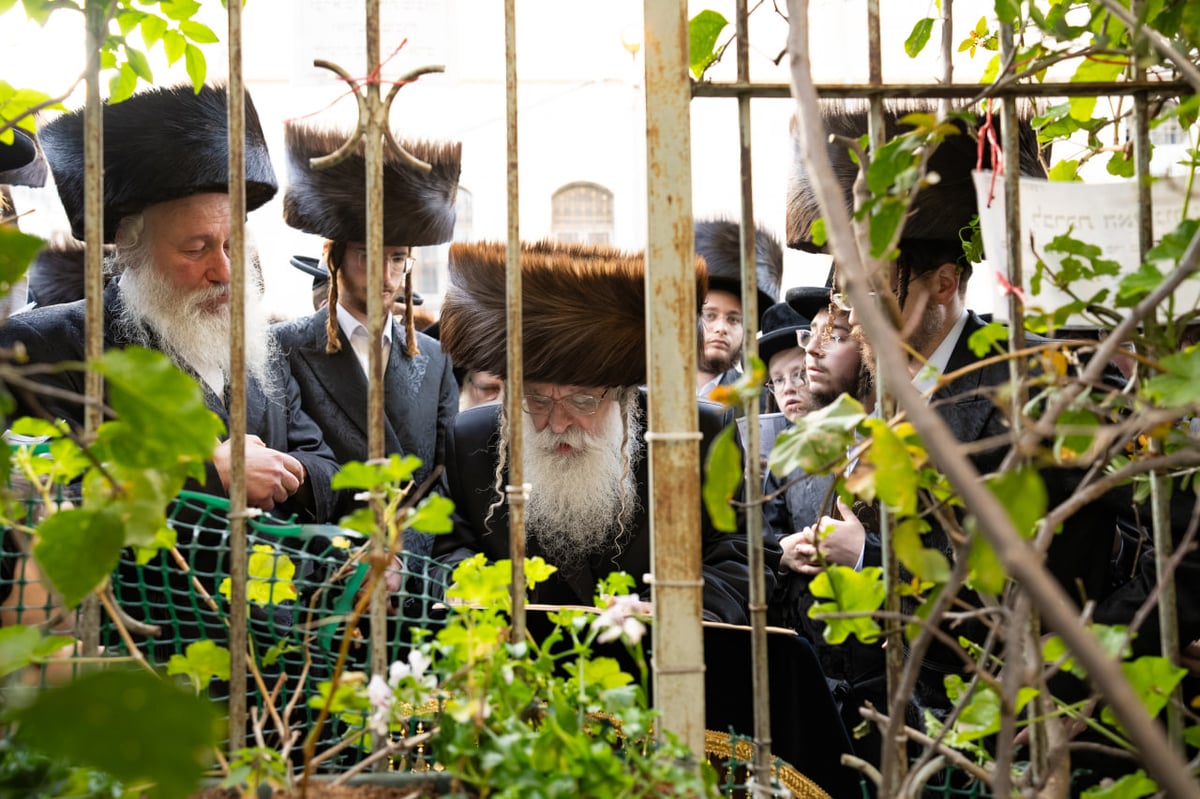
(1103, 214)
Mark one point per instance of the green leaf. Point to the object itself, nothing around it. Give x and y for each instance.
(1134, 286)
(851, 592)
(919, 37)
(703, 32)
(1128, 786)
(1180, 382)
(21, 646)
(722, 476)
(817, 439)
(927, 565)
(1110, 637)
(197, 32)
(201, 662)
(986, 571)
(988, 340)
(179, 9)
(153, 29)
(139, 64)
(174, 45)
(1154, 679)
(433, 515)
(1022, 492)
(163, 420)
(360, 520)
(17, 251)
(77, 549)
(1008, 12)
(895, 474)
(1175, 243)
(887, 219)
(139, 499)
(817, 232)
(1071, 444)
(130, 724)
(1093, 70)
(197, 66)
(122, 85)
(1121, 165)
(395, 470)
(128, 19)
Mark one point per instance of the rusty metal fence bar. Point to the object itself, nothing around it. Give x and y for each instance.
(672, 420)
(760, 683)
(237, 379)
(516, 490)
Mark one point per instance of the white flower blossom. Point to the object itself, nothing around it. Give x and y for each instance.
(380, 695)
(620, 620)
(417, 663)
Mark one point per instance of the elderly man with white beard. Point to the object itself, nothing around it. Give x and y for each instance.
(583, 427)
(166, 209)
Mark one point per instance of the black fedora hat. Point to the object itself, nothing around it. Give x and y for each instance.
(780, 324)
(808, 301)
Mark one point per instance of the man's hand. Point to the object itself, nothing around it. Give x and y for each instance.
(271, 476)
(840, 541)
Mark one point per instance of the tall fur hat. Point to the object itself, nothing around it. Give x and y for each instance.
(939, 211)
(22, 162)
(159, 145)
(719, 242)
(418, 207)
(583, 306)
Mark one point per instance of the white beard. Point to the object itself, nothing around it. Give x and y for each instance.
(193, 331)
(585, 500)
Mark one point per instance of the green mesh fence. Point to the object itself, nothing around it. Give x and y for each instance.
(304, 582)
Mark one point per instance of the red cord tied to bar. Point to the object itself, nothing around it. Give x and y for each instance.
(987, 132)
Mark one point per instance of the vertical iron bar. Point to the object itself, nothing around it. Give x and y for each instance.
(760, 684)
(948, 49)
(515, 389)
(1018, 630)
(672, 422)
(376, 121)
(237, 385)
(93, 342)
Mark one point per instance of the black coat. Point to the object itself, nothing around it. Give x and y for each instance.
(471, 460)
(420, 394)
(1080, 554)
(56, 333)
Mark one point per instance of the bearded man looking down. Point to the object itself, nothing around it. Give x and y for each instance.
(171, 286)
(582, 426)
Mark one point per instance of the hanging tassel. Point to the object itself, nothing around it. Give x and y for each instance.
(333, 343)
(410, 326)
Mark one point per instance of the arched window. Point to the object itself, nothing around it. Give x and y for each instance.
(582, 213)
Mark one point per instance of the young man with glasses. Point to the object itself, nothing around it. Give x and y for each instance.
(582, 427)
(329, 351)
(720, 327)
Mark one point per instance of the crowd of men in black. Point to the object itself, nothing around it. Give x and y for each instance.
(167, 230)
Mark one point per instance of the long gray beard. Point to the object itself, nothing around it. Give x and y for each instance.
(187, 330)
(585, 501)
